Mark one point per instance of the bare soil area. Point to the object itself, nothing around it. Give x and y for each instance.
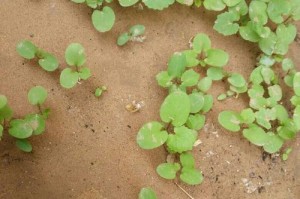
(89, 149)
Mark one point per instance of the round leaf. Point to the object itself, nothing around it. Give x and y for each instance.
(215, 73)
(205, 84)
(216, 57)
(103, 20)
(190, 78)
(123, 39)
(196, 122)
(230, 120)
(201, 42)
(48, 62)
(273, 143)
(26, 49)
(158, 4)
(147, 193)
(255, 135)
(196, 101)
(296, 84)
(127, 3)
(151, 136)
(37, 123)
(177, 64)
(37, 95)
(3, 101)
(20, 129)
(24, 145)
(183, 139)
(225, 23)
(175, 108)
(237, 80)
(168, 170)
(75, 55)
(191, 176)
(68, 78)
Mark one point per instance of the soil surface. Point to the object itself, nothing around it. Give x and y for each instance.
(89, 149)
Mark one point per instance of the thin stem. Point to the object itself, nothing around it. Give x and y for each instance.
(184, 191)
(40, 109)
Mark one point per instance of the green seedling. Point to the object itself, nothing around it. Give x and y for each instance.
(286, 154)
(28, 50)
(24, 128)
(99, 91)
(75, 58)
(135, 34)
(147, 193)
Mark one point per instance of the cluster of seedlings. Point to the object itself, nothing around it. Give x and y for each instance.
(30, 125)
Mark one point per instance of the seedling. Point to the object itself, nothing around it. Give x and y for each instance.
(135, 34)
(28, 50)
(100, 90)
(286, 154)
(147, 193)
(75, 58)
(24, 128)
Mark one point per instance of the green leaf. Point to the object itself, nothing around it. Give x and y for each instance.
(231, 3)
(278, 8)
(215, 73)
(275, 92)
(201, 42)
(296, 84)
(221, 97)
(267, 74)
(78, 1)
(287, 64)
(175, 108)
(264, 116)
(268, 45)
(204, 84)
(94, 3)
(190, 78)
(216, 57)
(295, 100)
(256, 77)
(196, 101)
(37, 95)
(191, 58)
(146, 193)
(258, 12)
(177, 64)
(183, 139)
(168, 170)
(152, 136)
(191, 176)
(249, 33)
(216, 5)
(103, 20)
(286, 153)
(281, 113)
(3, 101)
(127, 3)
(289, 80)
(20, 129)
(208, 103)
(285, 36)
(286, 133)
(258, 103)
(123, 39)
(158, 4)
(296, 117)
(163, 79)
(68, 78)
(295, 11)
(237, 80)
(24, 145)
(225, 23)
(187, 160)
(84, 73)
(137, 30)
(26, 49)
(240, 9)
(186, 2)
(5, 113)
(247, 116)
(48, 62)
(266, 60)
(255, 135)
(75, 55)
(273, 143)
(37, 123)
(1, 131)
(230, 120)
(196, 122)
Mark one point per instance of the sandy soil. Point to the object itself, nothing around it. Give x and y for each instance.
(89, 149)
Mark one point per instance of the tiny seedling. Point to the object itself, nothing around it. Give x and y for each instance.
(99, 91)
(24, 128)
(286, 154)
(147, 193)
(135, 34)
(28, 50)
(75, 58)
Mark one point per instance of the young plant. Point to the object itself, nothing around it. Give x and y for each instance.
(75, 58)
(147, 193)
(99, 91)
(135, 34)
(183, 111)
(24, 128)
(28, 50)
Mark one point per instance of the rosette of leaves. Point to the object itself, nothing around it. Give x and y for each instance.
(28, 50)
(183, 111)
(103, 20)
(30, 125)
(135, 31)
(75, 58)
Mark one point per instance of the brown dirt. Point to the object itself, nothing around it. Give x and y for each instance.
(89, 149)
